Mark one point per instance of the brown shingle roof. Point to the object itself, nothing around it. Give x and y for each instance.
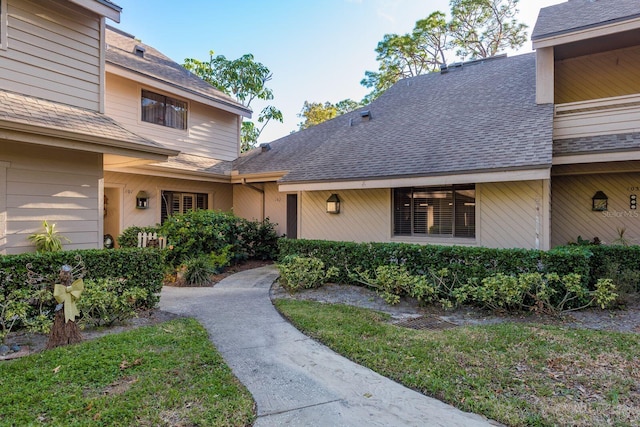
(575, 15)
(120, 52)
(40, 113)
(474, 118)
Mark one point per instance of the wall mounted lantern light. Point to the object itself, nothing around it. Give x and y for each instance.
(333, 204)
(599, 201)
(142, 200)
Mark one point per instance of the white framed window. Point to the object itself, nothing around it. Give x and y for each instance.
(174, 202)
(163, 110)
(3, 24)
(435, 211)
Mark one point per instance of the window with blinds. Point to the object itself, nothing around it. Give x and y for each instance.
(435, 211)
(163, 110)
(179, 203)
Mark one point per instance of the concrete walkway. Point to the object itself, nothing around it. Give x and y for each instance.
(294, 380)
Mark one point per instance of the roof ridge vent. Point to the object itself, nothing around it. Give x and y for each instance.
(139, 50)
(444, 68)
(265, 147)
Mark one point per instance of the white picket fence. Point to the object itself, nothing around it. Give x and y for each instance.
(150, 240)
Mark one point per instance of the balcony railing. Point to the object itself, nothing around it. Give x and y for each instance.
(606, 116)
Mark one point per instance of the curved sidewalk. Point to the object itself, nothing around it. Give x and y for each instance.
(294, 380)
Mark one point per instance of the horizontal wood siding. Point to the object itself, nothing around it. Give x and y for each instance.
(211, 132)
(365, 216)
(220, 196)
(608, 116)
(507, 214)
(602, 75)
(53, 52)
(571, 207)
(56, 185)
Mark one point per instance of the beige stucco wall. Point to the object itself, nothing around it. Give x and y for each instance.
(211, 132)
(57, 185)
(602, 75)
(220, 196)
(53, 52)
(572, 215)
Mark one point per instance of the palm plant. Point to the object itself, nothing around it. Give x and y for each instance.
(50, 240)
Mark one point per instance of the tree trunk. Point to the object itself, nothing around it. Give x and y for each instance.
(63, 333)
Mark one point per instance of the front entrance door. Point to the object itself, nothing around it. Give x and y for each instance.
(292, 216)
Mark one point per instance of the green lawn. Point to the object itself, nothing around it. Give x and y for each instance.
(169, 374)
(518, 374)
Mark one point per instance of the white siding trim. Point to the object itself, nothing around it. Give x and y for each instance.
(505, 176)
(103, 78)
(596, 158)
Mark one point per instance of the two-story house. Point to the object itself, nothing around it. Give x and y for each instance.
(98, 131)
(530, 151)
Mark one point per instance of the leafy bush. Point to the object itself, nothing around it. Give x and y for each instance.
(129, 237)
(49, 240)
(545, 293)
(106, 301)
(198, 271)
(202, 232)
(463, 263)
(30, 277)
(394, 281)
(303, 273)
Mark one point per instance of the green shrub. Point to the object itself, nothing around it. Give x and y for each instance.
(30, 277)
(198, 271)
(202, 232)
(543, 293)
(394, 281)
(106, 301)
(303, 273)
(48, 241)
(129, 237)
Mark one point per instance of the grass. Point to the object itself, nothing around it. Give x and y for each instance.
(168, 374)
(517, 374)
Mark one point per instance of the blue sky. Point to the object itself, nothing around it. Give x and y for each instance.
(317, 50)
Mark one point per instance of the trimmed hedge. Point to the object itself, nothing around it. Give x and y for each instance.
(625, 257)
(138, 267)
(465, 262)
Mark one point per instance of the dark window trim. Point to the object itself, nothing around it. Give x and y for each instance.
(166, 101)
(455, 189)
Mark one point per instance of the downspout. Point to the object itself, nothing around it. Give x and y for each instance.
(259, 190)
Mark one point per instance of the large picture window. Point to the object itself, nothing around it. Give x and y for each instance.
(163, 110)
(179, 203)
(435, 211)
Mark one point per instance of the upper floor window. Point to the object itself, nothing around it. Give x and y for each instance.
(3, 24)
(435, 211)
(163, 110)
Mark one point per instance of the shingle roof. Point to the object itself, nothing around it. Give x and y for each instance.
(27, 110)
(120, 52)
(192, 163)
(574, 15)
(597, 144)
(479, 117)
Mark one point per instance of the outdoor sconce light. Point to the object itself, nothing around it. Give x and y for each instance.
(333, 204)
(599, 201)
(142, 200)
